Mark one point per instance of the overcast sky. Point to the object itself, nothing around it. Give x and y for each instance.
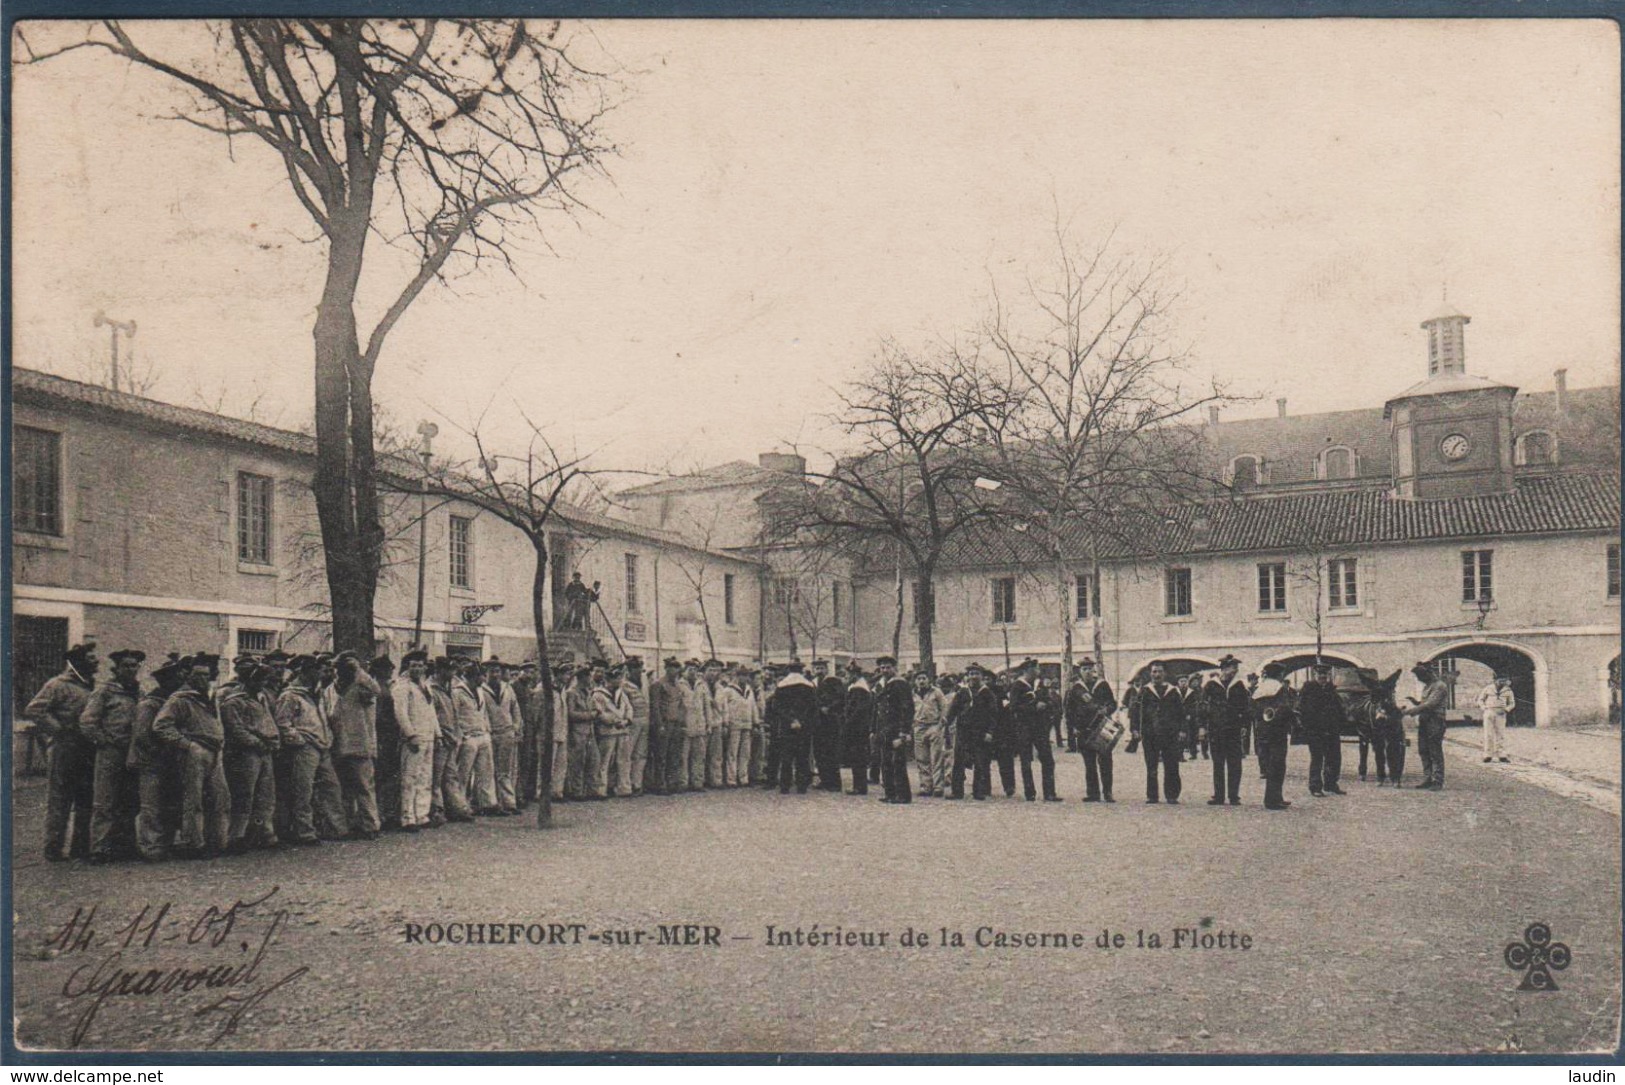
(789, 193)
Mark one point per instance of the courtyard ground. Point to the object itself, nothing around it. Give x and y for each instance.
(1375, 923)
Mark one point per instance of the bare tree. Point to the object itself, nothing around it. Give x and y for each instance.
(694, 565)
(447, 139)
(1094, 442)
(910, 487)
(528, 492)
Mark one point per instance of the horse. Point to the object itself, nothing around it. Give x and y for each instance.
(1379, 724)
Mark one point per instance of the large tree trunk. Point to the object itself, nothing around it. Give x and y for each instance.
(538, 615)
(345, 481)
(1066, 630)
(925, 605)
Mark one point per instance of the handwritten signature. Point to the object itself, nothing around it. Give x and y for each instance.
(118, 974)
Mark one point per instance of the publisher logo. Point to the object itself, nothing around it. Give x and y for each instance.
(1537, 957)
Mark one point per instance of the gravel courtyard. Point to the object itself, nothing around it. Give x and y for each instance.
(1375, 922)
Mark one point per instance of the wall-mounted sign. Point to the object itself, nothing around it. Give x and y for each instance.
(637, 631)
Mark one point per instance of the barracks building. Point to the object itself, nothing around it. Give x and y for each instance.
(1463, 521)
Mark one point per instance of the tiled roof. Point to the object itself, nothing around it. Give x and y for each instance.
(33, 386)
(1564, 502)
(733, 473)
(1588, 432)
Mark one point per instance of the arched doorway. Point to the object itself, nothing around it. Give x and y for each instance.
(1297, 668)
(1176, 666)
(1472, 665)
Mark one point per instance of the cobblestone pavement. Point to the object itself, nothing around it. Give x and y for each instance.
(1377, 922)
(1583, 763)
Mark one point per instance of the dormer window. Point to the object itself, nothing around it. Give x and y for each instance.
(1535, 448)
(1246, 472)
(1339, 461)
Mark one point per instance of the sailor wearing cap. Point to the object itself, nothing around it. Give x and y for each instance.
(583, 718)
(506, 724)
(894, 730)
(857, 726)
(55, 712)
(668, 745)
(635, 747)
(1090, 702)
(561, 731)
(1322, 716)
(248, 717)
(1227, 713)
(612, 713)
(734, 710)
(419, 726)
(448, 800)
(189, 725)
(106, 720)
(1429, 713)
(304, 738)
(155, 768)
(1273, 707)
(793, 715)
(474, 771)
(699, 708)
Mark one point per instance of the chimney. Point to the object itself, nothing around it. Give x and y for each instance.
(1280, 407)
(785, 462)
(1560, 383)
(1213, 416)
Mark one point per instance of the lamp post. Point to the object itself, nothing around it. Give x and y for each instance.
(114, 327)
(427, 431)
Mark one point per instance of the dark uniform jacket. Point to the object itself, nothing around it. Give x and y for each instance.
(795, 700)
(189, 716)
(981, 717)
(831, 702)
(109, 715)
(1026, 717)
(858, 719)
(1273, 708)
(957, 704)
(894, 710)
(1087, 707)
(668, 707)
(249, 721)
(1159, 711)
(1320, 709)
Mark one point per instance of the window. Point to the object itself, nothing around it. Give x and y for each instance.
(1477, 576)
(1088, 597)
(1337, 463)
(1343, 583)
(632, 583)
(255, 641)
(37, 480)
(1245, 472)
(728, 598)
(1535, 448)
(1176, 585)
(1272, 588)
(1004, 600)
(253, 518)
(462, 552)
(1613, 570)
(837, 615)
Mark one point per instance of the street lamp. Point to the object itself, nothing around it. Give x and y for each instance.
(427, 432)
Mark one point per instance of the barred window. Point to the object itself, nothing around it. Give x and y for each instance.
(837, 614)
(1477, 576)
(36, 480)
(1272, 587)
(1004, 600)
(461, 552)
(1343, 582)
(728, 598)
(253, 518)
(632, 583)
(255, 641)
(1613, 570)
(1177, 592)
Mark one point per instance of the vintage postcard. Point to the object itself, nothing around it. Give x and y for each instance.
(1092, 538)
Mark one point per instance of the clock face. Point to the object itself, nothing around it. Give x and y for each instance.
(1455, 447)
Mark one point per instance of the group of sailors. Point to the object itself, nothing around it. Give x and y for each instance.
(298, 749)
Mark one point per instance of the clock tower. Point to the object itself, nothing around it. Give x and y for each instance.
(1452, 433)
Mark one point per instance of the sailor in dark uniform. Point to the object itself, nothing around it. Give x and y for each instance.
(1032, 720)
(1227, 705)
(795, 715)
(1158, 721)
(857, 726)
(1272, 707)
(894, 729)
(1090, 703)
